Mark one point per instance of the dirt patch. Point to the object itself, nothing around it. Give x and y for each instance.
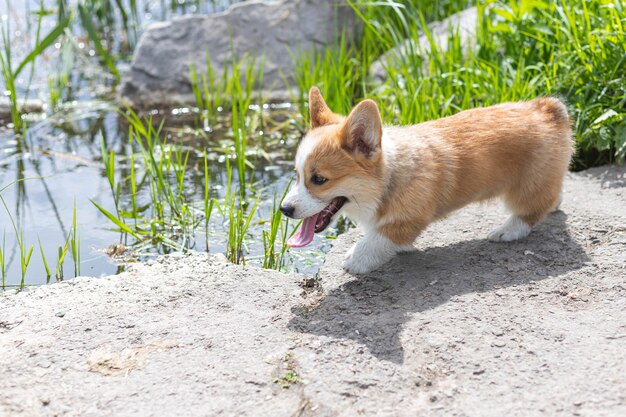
(462, 326)
(107, 362)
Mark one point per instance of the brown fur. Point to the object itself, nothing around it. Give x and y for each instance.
(519, 151)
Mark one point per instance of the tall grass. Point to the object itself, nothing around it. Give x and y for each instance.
(336, 70)
(25, 251)
(168, 211)
(94, 35)
(278, 232)
(170, 219)
(573, 49)
(11, 72)
(233, 91)
(238, 213)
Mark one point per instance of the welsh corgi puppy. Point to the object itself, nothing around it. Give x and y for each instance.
(393, 181)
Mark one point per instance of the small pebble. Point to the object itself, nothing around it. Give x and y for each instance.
(60, 314)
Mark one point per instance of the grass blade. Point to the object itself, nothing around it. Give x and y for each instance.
(117, 221)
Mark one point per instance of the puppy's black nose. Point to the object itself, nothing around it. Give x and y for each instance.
(288, 210)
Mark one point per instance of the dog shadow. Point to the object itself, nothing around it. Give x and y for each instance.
(372, 309)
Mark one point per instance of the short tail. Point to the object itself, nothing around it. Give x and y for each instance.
(554, 108)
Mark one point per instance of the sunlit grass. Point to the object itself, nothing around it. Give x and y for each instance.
(11, 72)
(171, 219)
(25, 250)
(573, 49)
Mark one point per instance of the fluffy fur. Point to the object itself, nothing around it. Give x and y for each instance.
(399, 179)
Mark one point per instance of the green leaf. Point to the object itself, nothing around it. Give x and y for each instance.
(93, 35)
(115, 220)
(44, 44)
(620, 142)
(43, 258)
(610, 114)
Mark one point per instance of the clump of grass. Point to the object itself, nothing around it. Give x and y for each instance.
(209, 91)
(572, 49)
(234, 86)
(25, 251)
(234, 92)
(10, 73)
(336, 71)
(238, 213)
(273, 257)
(94, 36)
(576, 50)
(168, 211)
(170, 219)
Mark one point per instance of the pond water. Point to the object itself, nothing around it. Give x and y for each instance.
(58, 163)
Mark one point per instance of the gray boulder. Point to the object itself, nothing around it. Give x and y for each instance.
(159, 73)
(464, 22)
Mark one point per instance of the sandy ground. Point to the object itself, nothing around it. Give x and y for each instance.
(460, 327)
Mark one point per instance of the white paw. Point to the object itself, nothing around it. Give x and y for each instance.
(368, 254)
(357, 264)
(513, 229)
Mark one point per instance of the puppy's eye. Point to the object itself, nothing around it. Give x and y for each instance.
(317, 180)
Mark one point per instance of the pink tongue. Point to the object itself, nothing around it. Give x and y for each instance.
(305, 233)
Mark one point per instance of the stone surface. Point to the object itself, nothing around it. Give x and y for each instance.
(460, 327)
(270, 30)
(464, 22)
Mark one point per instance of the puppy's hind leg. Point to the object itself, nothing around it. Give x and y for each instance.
(513, 229)
(530, 205)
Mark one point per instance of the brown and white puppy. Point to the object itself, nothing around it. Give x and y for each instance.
(395, 180)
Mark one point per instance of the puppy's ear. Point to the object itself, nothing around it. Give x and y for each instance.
(320, 113)
(363, 130)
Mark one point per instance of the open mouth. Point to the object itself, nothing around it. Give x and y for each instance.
(316, 223)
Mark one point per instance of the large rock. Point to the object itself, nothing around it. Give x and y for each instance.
(464, 22)
(270, 30)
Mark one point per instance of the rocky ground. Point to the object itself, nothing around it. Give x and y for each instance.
(460, 327)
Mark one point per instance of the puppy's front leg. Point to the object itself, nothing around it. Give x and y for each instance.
(369, 253)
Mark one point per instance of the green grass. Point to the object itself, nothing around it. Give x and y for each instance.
(94, 36)
(278, 233)
(25, 251)
(337, 70)
(172, 217)
(11, 72)
(572, 49)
